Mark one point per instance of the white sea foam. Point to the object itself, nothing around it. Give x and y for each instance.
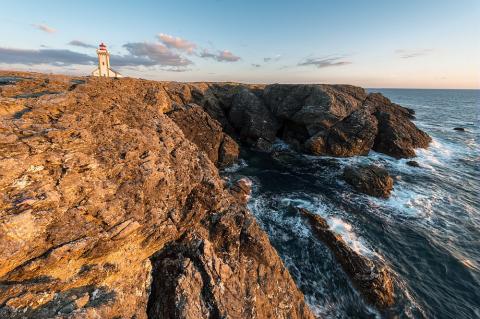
(236, 166)
(344, 229)
(334, 221)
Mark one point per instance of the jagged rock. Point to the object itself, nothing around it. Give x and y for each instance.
(206, 133)
(371, 180)
(242, 189)
(324, 101)
(228, 151)
(397, 135)
(252, 118)
(228, 269)
(370, 277)
(306, 110)
(95, 180)
(354, 135)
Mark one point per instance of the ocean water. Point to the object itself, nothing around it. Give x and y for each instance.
(427, 232)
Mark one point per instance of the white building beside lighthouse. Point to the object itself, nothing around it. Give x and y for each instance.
(103, 68)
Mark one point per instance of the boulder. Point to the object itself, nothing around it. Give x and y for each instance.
(284, 100)
(371, 180)
(397, 134)
(354, 135)
(307, 110)
(206, 133)
(371, 277)
(251, 118)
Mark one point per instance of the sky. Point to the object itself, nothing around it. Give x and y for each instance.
(375, 44)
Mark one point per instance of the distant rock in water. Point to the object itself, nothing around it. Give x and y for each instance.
(371, 180)
(413, 163)
(461, 129)
(371, 278)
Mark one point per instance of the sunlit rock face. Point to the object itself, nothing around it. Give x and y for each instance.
(110, 207)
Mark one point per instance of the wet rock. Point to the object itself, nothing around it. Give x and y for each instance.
(206, 133)
(242, 189)
(461, 129)
(413, 163)
(371, 180)
(372, 278)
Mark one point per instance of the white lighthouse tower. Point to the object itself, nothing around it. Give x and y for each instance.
(104, 69)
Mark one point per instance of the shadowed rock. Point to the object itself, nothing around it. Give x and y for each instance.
(371, 180)
(354, 135)
(206, 133)
(249, 115)
(397, 135)
(372, 279)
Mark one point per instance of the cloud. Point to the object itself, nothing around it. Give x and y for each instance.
(408, 54)
(272, 59)
(324, 62)
(220, 56)
(177, 43)
(44, 28)
(81, 44)
(154, 54)
(44, 56)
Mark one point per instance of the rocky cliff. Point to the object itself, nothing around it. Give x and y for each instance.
(109, 210)
(112, 205)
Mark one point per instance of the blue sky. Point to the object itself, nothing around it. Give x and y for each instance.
(425, 44)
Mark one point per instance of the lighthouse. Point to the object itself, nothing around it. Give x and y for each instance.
(104, 69)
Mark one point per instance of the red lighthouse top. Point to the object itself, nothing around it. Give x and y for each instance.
(102, 46)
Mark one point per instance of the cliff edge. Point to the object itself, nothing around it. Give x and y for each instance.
(109, 210)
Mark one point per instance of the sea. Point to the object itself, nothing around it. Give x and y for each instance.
(427, 232)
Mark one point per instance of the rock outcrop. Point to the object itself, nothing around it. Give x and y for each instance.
(252, 119)
(397, 135)
(370, 277)
(354, 135)
(112, 209)
(225, 270)
(206, 133)
(371, 180)
(242, 189)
